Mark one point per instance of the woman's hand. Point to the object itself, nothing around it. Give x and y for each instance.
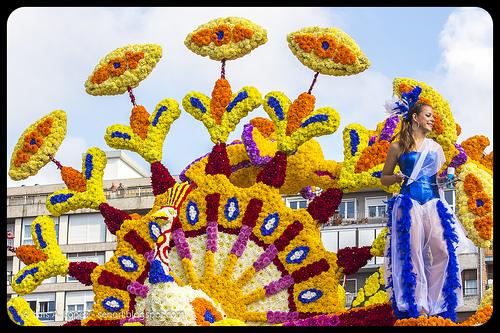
(399, 177)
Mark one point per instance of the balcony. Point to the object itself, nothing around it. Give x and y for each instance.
(361, 218)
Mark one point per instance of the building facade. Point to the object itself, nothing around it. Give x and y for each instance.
(82, 236)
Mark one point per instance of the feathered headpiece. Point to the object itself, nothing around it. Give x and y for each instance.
(403, 105)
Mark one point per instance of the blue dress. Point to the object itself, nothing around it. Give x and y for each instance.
(421, 267)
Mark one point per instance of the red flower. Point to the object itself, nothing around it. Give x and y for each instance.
(323, 206)
(351, 259)
(274, 172)
(81, 271)
(218, 162)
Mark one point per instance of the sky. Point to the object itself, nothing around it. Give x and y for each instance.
(52, 51)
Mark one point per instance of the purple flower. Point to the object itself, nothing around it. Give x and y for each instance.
(390, 125)
(307, 193)
(251, 147)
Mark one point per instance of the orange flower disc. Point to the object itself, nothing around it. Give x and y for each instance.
(203, 37)
(240, 33)
(29, 254)
(306, 42)
(325, 46)
(472, 184)
(221, 35)
(139, 121)
(73, 179)
(484, 226)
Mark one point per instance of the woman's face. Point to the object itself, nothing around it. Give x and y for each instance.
(425, 119)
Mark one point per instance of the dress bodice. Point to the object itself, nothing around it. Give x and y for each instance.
(422, 190)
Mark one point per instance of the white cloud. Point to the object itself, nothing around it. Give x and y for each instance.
(465, 72)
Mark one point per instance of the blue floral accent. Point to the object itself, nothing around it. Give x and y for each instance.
(479, 203)
(241, 96)
(263, 228)
(377, 174)
(26, 273)
(152, 227)
(195, 102)
(116, 65)
(157, 273)
(58, 198)
(115, 305)
(220, 34)
(325, 45)
(451, 282)
(275, 105)
(118, 134)
(124, 260)
(32, 141)
(234, 215)
(162, 109)
(189, 208)
(89, 166)
(372, 140)
(315, 119)
(16, 316)
(38, 231)
(209, 317)
(310, 295)
(305, 252)
(354, 141)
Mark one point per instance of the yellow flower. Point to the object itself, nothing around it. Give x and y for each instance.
(20, 313)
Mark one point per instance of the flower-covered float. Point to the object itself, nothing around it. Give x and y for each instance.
(221, 248)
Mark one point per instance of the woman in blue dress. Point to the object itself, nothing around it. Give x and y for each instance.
(422, 270)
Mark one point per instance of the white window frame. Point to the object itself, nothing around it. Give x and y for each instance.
(103, 231)
(295, 199)
(87, 297)
(42, 298)
(367, 207)
(26, 238)
(345, 201)
(454, 199)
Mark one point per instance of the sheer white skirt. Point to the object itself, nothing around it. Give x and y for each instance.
(429, 258)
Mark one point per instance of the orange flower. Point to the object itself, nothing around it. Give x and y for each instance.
(481, 316)
(474, 147)
(424, 321)
(117, 66)
(221, 35)
(32, 142)
(202, 37)
(200, 307)
(100, 75)
(21, 157)
(133, 58)
(479, 203)
(300, 108)
(240, 33)
(372, 155)
(438, 124)
(344, 56)
(139, 121)
(425, 101)
(472, 184)
(487, 161)
(265, 126)
(325, 46)
(403, 87)
(458, 128)
(73, 179)
(45, 126)
(306, 42)
(221, 97)
(29, 254)
(484, 226)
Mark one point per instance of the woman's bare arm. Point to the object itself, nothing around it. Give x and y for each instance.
(388, 177)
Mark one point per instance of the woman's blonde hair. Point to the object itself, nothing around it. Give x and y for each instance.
(406, 141)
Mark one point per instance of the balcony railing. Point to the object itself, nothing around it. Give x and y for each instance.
(360, 218)
(46, 316)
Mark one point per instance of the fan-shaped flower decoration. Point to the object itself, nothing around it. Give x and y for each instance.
(226, 38)
(474, 196)
(373, 292)
(298, 122)
(364, 158)
(329, 51)
(146, 132)
(444, 131)
(53, 262)
(122, 69)
(72, 198)
(37, 144)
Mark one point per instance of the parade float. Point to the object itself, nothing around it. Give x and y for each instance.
(221, 247)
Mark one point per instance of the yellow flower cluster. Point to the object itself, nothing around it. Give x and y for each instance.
(378, 246)
(356, 138)
(44, 237)
(487, 297)
(123, 68)
(445, 134)
(226, 38)
(319, 122)
(373, 291)
(229, 322)
(45, 136)
(328, 51)
(19, 312)
(469, 206)
(151, 148)
(62, 201)
(242, 102)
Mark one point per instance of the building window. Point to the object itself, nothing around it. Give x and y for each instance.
(9, 271)
(26, 230)
(449, 195)
(78, 304)
(97, 257)
(351, 290)
(296, 203)
(43, 305)
(86, 228)
(347, 238)
(469, 278)
(330, 240)
(375, 207)
(347, 209)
